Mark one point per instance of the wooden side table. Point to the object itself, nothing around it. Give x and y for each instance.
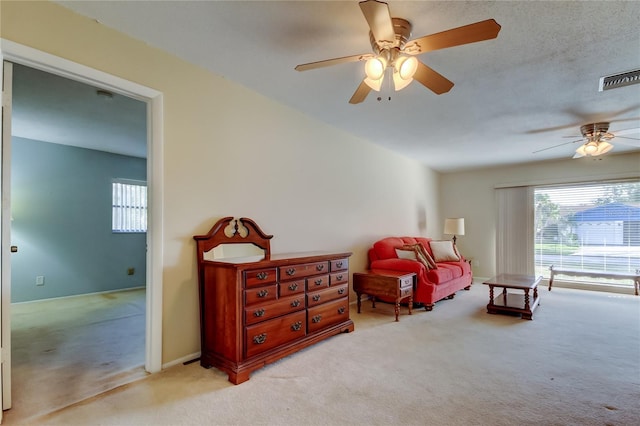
(387, 286)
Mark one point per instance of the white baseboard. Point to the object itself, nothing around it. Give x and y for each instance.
(181, 360)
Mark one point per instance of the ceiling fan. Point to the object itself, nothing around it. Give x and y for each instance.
(394, 52)
(595, 140)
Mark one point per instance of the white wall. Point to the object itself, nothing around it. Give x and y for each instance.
(470, 194)
(231, 152)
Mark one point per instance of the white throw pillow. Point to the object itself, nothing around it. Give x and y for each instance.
(443, 251)
(406, 254)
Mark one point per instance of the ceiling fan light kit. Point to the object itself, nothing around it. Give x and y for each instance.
(595, 138)
(593, 149)
(389, 38)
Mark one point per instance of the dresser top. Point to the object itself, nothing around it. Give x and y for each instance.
(280, 259)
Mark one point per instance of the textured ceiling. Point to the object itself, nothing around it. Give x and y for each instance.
(536, 83)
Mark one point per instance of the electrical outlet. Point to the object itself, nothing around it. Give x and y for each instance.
(131, 271)
(40, 280)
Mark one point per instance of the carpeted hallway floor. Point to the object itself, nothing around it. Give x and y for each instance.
(576, 363)
(66, 350)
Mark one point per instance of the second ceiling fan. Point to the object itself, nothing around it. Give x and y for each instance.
(394, 51)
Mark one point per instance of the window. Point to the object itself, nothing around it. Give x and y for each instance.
(588, 227)
(129, 206)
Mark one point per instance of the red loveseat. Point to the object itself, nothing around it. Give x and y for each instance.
(433, 284)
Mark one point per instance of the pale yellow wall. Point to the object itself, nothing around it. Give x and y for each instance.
(231, 152)
(471, 195)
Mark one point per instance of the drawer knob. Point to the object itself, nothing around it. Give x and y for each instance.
(296, 326)
(262, 275)
(318, 281)
(260, 338)
(316, 319)
(295, 303)
(341, 310)
(320, 267)
(339, 264)
(341, 290)
(291, 271)
(263, 293)
(293, 287)
(259, 313)
(316, 297)
(339, 277)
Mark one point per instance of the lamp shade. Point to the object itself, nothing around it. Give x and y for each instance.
(454, 226)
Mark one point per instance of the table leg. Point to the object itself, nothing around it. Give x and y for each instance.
(397, 309)
(410, 303)
(491, 295)
(528, 315)
(373, 301)
(359, 302)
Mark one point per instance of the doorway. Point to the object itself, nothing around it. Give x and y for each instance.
(70, 141)
(153, 287)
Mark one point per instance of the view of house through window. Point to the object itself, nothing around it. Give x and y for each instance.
(129, 206)
(589, 227)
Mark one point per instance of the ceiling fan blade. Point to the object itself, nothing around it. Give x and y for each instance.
(555, 146)
(483, 30)
(630, 131)
(360, 94)
(432, 80)
(627, 143)
(334, 61)
(379, 19)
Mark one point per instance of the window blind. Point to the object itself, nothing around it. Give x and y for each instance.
(514, 232)
(588, 227)
(129, 206)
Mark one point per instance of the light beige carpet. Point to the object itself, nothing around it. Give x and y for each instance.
(66, 350)
(576, 363)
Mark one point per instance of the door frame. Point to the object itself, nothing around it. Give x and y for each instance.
(14, 52)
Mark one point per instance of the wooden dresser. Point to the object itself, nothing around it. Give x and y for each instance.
(257, 310)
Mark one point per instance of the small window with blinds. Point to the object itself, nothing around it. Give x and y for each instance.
(129, 206)
(588, 227)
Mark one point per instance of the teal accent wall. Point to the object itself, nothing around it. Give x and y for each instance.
(61, 222)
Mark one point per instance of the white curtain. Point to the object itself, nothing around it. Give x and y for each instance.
(515, 230)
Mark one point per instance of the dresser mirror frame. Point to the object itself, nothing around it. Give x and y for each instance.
(230, 230)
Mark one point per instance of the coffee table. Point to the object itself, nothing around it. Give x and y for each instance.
(510, 302)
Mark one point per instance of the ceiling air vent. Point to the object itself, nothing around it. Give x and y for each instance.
(619, 80)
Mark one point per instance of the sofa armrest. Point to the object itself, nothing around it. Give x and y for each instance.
(401, 265)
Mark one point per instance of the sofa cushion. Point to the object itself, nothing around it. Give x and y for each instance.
(386, 248)
(444, 251)
(446, 272)
(406, 252)
(419, 254)
(425, 244)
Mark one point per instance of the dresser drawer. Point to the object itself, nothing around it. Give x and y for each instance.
(269, 334)
(261, 294)
(331, 293)
(258, 277)
(339, 265)
(339, 278)
(288, 288)
(268, 310)
(303, 270)
(318, 282)
(327, 314)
